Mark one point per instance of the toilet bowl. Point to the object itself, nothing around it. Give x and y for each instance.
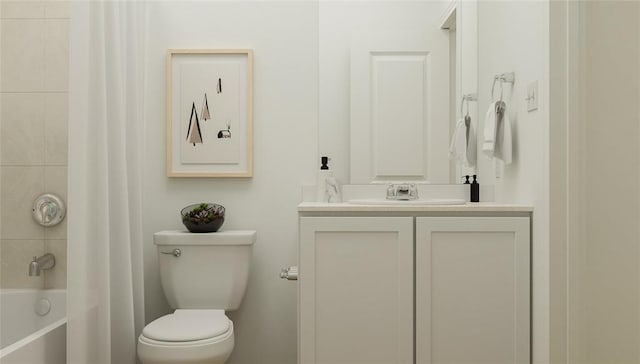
(203, 276)
(187, 337)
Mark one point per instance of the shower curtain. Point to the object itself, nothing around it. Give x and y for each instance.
(105, 274)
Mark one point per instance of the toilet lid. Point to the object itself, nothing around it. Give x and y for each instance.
(188, 325)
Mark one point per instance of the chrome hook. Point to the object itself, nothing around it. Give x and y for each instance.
(465, 99)
(505, 77)
(495, 78)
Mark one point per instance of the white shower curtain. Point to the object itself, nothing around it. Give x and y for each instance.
(105, 274)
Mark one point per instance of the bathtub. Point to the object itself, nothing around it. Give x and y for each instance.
(33, 326)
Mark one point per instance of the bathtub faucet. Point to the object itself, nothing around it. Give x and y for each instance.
(46, 261)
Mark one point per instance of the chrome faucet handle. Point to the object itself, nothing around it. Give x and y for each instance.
(48, 210)
(404, 191)
(391, 192)
(413, 191)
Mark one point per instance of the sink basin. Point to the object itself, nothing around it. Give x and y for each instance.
(433, 201)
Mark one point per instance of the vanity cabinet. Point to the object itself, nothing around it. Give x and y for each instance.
(356, 290)
(472, 290)
(371, 287)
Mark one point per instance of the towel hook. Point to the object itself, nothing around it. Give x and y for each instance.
(493, 87)
(465, 99)
(505, 77)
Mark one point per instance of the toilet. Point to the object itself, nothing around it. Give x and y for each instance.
(203, 276)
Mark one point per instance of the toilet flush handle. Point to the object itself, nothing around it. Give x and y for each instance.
(175, 252)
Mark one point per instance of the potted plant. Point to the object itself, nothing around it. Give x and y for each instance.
(203, 217)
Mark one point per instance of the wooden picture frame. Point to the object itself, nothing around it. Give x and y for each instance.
(209, 113)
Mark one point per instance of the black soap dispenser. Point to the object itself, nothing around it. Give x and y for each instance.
(324, 161)
(323, 174)
(475, 190)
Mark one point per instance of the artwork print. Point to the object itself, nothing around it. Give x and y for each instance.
(210, 113)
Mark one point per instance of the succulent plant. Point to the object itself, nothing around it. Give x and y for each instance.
(203, 213)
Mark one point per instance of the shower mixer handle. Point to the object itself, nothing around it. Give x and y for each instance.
(48, 210)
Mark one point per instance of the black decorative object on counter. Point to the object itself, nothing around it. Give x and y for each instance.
(475, 190)
(203, 217)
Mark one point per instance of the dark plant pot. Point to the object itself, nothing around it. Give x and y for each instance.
(199, 226)
(210, 227)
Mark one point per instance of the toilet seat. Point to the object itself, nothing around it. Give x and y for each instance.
(159, 342)
(187, 326)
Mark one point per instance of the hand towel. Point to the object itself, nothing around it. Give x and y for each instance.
(489, 133)
(458, 146)
(463, 143)
(497, 133)
(472, 143)
(503, 136)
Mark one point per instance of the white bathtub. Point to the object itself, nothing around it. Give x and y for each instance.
(33, 326)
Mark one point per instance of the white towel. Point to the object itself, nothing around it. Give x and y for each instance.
(497, 134)
(463, 144)
(489, 133)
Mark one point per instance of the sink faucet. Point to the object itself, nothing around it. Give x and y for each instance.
(46, 261)
(404, 191)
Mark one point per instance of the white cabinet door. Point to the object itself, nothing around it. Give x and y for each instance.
(400, 107)
(472, 290)
(356, 290)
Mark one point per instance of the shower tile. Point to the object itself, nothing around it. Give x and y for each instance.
(56, 277)
(56, 53)
(55, 129)
(22, 55)
(55, 181)
(15, 256)
(21, 9)
(56, 9)
(19, 188)
(22, 125)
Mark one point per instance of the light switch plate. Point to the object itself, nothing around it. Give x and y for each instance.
(532, 96)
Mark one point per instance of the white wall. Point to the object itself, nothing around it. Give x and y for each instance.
(611, 199)
(284, 37)
(595, 169)
(514, 37)
(340, 22)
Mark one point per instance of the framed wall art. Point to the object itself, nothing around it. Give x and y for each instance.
(209, 113)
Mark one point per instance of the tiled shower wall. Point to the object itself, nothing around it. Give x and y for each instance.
(34, 51)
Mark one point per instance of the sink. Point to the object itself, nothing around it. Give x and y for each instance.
(433, 201)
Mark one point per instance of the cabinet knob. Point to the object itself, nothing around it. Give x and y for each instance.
(290, 273)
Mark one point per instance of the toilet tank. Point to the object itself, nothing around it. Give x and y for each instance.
(204, 270)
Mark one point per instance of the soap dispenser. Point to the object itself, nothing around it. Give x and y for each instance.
(475, 190)
(327, 189)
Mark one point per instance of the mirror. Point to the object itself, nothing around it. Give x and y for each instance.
(467, 82)
(391, 74)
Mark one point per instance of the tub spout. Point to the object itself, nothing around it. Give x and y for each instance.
(46, 261)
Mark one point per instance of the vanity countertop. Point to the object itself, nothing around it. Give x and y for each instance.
(479, 207)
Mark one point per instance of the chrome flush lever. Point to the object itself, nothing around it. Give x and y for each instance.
(175, 252)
